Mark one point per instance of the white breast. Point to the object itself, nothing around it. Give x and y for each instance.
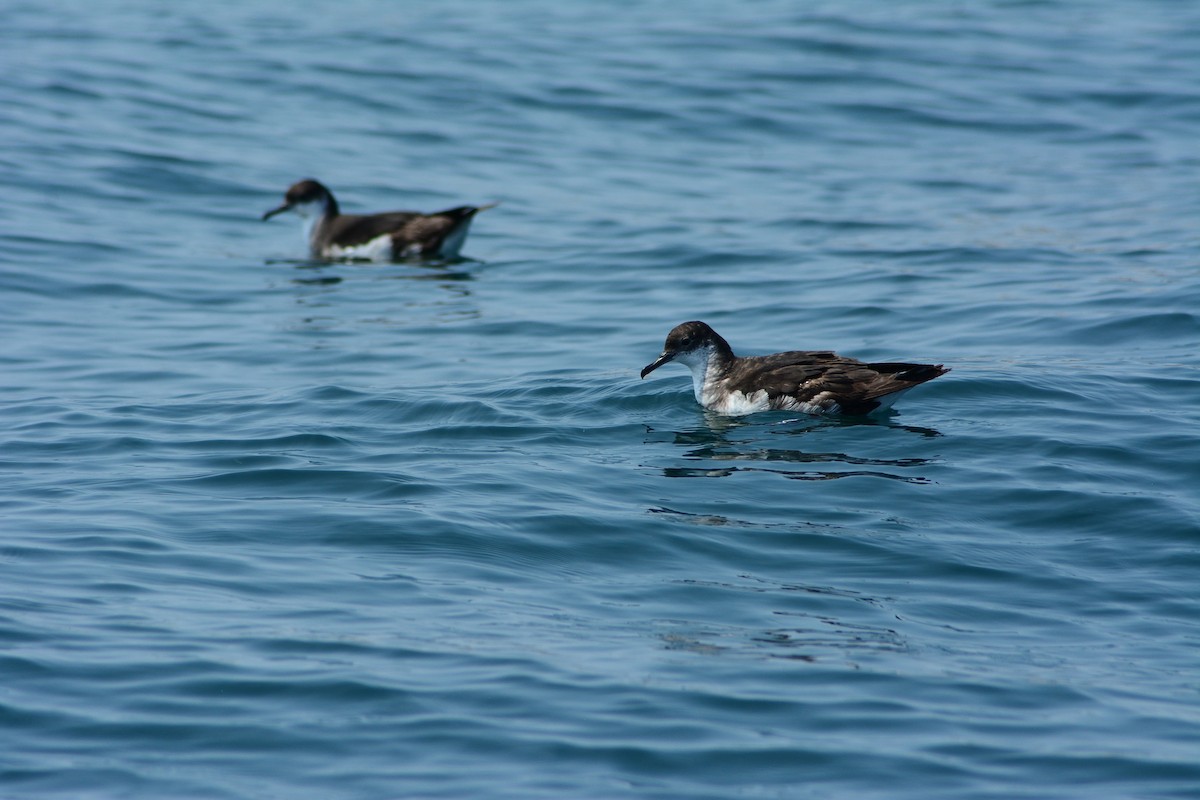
(736, 403)
(822, 403)
(378, 249)
(714, 395)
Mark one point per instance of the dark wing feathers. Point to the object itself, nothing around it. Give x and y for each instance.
(461, 212)
(405, 227)
(428, 231)
(854, 385)
(905, 375)
(350, 230)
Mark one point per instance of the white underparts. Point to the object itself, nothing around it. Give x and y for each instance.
(378, 249)
(710, 390)
(735, 403)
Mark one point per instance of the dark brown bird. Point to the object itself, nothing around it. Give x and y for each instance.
(812, 382)
(389, 236)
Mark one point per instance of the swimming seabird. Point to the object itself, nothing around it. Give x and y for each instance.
(388, 236)
(814, 382)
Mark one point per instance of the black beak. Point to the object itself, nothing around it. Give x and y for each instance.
(274, 211)
(658, 362)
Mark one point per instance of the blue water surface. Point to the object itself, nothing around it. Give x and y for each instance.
(276, 528)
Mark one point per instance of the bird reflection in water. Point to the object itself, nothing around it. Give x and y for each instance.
(316, 273)
(718, 442)
(836, 625)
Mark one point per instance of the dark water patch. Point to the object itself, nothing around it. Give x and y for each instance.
(965, 257)
(908, 116)
(720, 521)
(796, 475)
(263, 483)
(297, 442)
(820, 636)
(841, 225)
(1151, 328)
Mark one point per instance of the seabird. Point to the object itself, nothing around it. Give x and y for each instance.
(818, 382)
(388, 236)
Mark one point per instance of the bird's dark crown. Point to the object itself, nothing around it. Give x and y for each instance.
(688, 336)
(307, 191)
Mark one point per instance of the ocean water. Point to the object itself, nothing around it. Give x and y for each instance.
(276, 528)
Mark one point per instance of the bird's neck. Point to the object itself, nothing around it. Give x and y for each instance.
(707, 365)
(317, 216)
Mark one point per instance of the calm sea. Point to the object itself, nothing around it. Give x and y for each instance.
(273, 528)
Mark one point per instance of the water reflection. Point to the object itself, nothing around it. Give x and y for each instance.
(812, 475)
(807, 636)
(722, 520)
(451, 272)
(780, 424)
(818, 634)
(729, 445)
(314, 263)
(321, 281)
(812, 639)
(330, 292)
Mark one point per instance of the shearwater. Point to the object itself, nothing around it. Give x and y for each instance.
(814, 382)
(389, 236)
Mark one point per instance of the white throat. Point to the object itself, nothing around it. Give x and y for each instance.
(698, 361)
(709, 385)
(311, 213)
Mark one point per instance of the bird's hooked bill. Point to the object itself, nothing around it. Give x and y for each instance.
(658, 362)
